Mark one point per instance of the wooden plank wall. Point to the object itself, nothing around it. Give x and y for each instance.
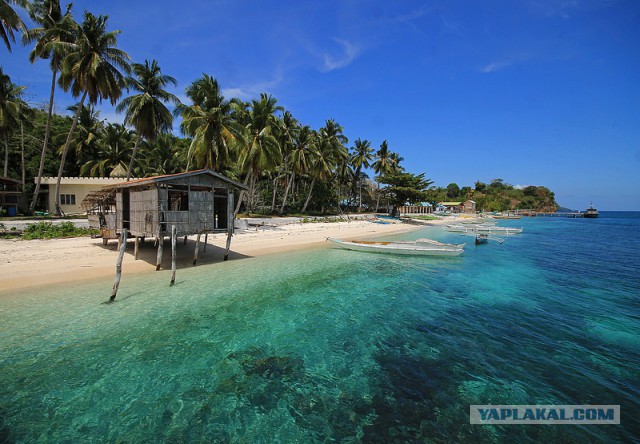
(143, 207)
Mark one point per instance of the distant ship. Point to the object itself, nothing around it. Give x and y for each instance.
(591, 212)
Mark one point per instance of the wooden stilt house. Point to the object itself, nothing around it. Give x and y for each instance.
(195, 202)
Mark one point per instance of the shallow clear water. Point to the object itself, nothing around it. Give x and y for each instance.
(337, 345)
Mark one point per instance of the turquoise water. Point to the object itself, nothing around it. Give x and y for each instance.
(333, 345)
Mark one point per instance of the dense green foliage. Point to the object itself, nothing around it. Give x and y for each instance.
(287, 166)
(405, 188)
(48, 230)
(498, 196)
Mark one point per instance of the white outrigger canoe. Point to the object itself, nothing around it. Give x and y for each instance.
(419, 247)
(485, 229)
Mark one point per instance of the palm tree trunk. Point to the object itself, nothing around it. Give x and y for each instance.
(252, 192)
(273, 199)
(242, 193)
(286, 191)
(6, 154)
(304, 208)
(378, 195)
(47, 131)
(133, 156)
(58, 211)
(24, 168)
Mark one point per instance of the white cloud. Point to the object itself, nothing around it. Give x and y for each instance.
(349, 53)
(253, 90)
(495, 66)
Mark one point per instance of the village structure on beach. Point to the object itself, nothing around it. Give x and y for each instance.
(195, 203)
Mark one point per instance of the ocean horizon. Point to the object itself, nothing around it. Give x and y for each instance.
(335, 345)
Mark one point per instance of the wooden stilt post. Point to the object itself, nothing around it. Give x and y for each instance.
(195, 254)
(159, 256)
(116, 284)
(185, 239)
(230, 222)
(136, 248)
(206, 236)
(226, 251)
(174, 241)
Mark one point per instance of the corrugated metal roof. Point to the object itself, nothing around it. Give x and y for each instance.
(169, 177)
(450, 204)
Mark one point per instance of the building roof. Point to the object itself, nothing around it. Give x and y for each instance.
(170, 177)
(450, 204)
(102, 181)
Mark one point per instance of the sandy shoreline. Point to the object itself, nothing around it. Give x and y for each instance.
(38, 263)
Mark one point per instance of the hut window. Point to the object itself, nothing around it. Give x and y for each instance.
(67, 199)
(179, 200)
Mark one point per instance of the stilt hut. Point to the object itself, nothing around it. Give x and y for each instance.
(196, 202)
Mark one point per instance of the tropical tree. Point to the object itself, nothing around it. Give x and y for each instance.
(396, 159)
(287, 129)
(406, 188)
(114, 152)
(453, 191)
(10, 21)
(329, 158)
(382, 165)
(360, 158)
(301, 156)
(209, 121)
(262, 151)
(165, 155)
(12, 112)
(91, 69)
(53, 30)
(88, 134)
(147, 111)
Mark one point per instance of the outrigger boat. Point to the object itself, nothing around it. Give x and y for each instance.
(419, 247)
(484, 238)
(486, 229)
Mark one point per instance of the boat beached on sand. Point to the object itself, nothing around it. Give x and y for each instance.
(419, 247)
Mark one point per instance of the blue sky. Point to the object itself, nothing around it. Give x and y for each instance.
(535, 92)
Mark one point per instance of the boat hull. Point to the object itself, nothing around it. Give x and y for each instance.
(482, 229)
(397, 249)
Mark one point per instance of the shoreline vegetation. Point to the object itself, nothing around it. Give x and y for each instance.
(32, 264)
(287, 166)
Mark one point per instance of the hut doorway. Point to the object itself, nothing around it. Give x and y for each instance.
(220, 211)
(126, 210)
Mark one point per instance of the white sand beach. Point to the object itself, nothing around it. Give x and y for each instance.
(35, 263)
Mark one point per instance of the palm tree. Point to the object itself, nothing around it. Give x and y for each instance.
(382, 165)
(209, 121)
(162, 156)
(287, 131)
(10, 21)
(334, 155)
(323, 161)
(146, 111)
(262, 151)
(395, 160)
(12, 112)
(114, 150)
(88, 134)
(301, 156)
(91, 69)
(54, 30)
(362, 155)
